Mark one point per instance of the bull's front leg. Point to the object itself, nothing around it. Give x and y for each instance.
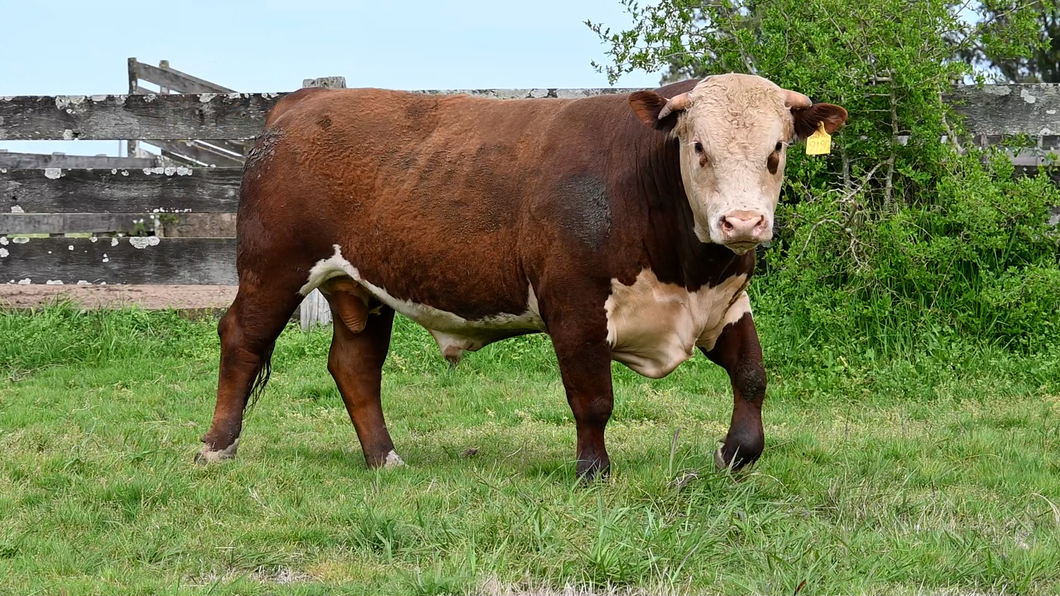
(738, 351)
(584, 359)
(586, 372)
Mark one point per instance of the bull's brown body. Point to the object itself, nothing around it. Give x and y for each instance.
(482, 219)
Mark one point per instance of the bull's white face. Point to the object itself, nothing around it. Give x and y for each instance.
(733, 140)
(733, 132)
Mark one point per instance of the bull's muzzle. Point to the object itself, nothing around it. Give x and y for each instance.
(743, 230)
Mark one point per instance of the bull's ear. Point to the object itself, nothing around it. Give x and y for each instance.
(655, 110)
(806, 120)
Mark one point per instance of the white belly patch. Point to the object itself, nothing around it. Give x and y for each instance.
(451, 331)
(654, 326)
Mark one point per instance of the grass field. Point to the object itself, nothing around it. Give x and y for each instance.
(938, 472)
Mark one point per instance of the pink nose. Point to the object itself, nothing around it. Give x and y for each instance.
(740, 227)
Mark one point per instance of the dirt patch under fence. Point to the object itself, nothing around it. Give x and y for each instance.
(190, 298)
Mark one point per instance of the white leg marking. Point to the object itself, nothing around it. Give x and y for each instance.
(719, 461)
(214, 456)
(392, 460)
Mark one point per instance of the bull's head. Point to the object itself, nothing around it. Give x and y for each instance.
(734, 131)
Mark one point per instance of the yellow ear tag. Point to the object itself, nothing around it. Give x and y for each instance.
(820, 142)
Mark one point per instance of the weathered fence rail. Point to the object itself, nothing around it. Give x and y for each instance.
(112, 190)
(1009, 109)
(114, 117)
(169, 78)
(126, 260)
(11, 159)
(992, 110)
(42, 204)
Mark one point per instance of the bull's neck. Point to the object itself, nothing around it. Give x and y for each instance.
(674, 250)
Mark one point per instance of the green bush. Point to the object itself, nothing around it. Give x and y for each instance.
(905, 236)
(970, 257)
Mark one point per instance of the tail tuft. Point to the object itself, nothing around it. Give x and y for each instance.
(262, 378)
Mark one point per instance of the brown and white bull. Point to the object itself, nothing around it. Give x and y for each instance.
(623, 226)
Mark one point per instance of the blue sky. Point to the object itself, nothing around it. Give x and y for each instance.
(80, 48)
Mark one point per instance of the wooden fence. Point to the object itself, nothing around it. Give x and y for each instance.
(188, 152)
(99, 220)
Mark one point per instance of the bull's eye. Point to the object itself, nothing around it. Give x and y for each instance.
(701, 154)
(780, 145)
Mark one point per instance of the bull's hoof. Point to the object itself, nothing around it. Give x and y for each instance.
(591, 471)
(733, 464)
(212, 456)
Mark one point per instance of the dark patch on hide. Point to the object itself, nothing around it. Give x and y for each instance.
(585, 209)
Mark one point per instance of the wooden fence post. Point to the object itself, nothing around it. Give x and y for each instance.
(315, 309)
(132, 146)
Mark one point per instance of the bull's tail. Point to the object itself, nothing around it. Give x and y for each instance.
(261, 378)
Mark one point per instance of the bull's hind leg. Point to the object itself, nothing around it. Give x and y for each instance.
(358, 350)
(248, 333)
